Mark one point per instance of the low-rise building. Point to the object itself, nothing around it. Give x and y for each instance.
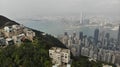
(30, 34)
(9, 41)
(16, 27)
(6, 29)
(14, 39)
(2, 41)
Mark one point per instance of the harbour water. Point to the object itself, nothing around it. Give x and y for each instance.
(58, 28)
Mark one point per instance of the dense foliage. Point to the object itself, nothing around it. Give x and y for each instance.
(27, 55)
(84, 62)
(35, 54)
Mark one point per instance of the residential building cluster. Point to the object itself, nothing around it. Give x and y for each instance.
(15, 34)
(60, 57)
(99, 47)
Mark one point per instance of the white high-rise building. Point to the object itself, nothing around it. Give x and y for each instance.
(59, 55)
(81, 18)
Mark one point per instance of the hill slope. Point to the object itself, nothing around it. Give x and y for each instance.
(29, 54)
(6, 22)
(35, 54)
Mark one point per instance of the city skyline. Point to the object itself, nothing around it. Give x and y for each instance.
(60, 33)
(98, 47)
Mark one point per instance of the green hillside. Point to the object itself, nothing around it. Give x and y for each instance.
(35, 54)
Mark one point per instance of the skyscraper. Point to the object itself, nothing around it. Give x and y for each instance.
(107, 35)
(96, 34)
(65, 38)
(82, 16)
(119, 35)
(107, 38)
(65, 33)
(74, 37)
(81, 36)
(74, 34)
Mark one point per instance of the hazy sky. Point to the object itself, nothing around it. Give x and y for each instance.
(29, 8)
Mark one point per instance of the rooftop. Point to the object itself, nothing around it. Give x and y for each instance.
(57, 49)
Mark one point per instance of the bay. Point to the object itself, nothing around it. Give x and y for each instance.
(56, 28)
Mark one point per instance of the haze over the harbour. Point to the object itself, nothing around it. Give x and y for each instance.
(33, 8)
